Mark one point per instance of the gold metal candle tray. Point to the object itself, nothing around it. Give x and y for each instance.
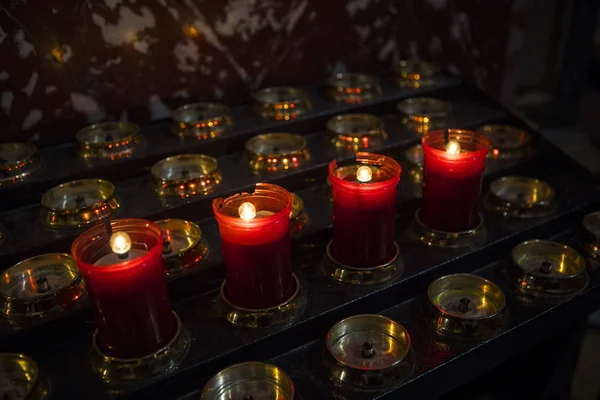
(368, 351)
(414, 156)
(416, 74)
(261, 318)
(466, 305)
(201, 121)
(298, 216)
(79, 203)
(356, 132)
(22, 378)
(520, 196)
(185, 175)
(546, 268)
(281, 103)
(352, 88)
(108, 140)
(507, 141)
(17, 162)
(250, 380)
(591, 234)
(273, 152)
(424, 114)
(362, 276)
(452, 240)
(183, 245)
(40, 287)
(114, 370)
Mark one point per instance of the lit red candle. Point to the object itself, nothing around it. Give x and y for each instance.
(364, 210)
(255, 240)
(454, 161)
(125, 277)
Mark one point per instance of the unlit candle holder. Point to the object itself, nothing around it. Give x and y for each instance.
(108, 141)
(424, 114)
(520, 197)
(368, 351)
(352, 87)
(265, 317)
(186, 175)
(23, 378)
(416, 74)
(184, 246)
(78, 203)
(507, 142)
(275, 152)
(201, 121)
(281, 103)
(356, 132)
(466, 305)
(451, 240)
(17, 162)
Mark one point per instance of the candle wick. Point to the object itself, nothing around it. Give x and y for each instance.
(42, 285)
(367, 349)
(122, 257)
(166, 248)
(108, 228)
(465, 305)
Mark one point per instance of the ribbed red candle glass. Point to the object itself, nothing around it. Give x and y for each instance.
(452, 182)
(364, 213)
(257, 250)
(130, 297)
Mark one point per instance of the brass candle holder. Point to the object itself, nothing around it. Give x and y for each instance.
(544, 268)
(520, 197)
(265, 317)
(466, 305)
(108, 140)
(40, 287)
(424, 114)
(201, 121)
(352, 88)
(507, 142)
(21, 378)
(183, 245)
(416, 74)
(274, 152)
(368, 351)
(356, 132)
(17, 162)
(281, 103)
(79, 203)
(250, 380)
(450, 240)
(414, 156)
(298, 215)
(185, 175)
(119, 371)
(591, 234)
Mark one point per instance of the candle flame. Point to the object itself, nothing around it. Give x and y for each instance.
(247, 211)
(453, 148)
(364, 174)
(120, 242)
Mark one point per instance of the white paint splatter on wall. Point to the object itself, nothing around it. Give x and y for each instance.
(86, 105)
(6, 102)
(187, 55)
(32, 119)
(50, 89)
(4, 75)
(25, 48)
(354, 6)
(294, 15)
(158, 109)
(29, 88)
(437, 4)
(128, 27)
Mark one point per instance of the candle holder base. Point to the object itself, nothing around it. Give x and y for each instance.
(451, 240)
(363, 276)
(261, 318)
(114, 370)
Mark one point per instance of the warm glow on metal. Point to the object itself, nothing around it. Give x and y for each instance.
(120, 242)
(364, 174)
(247, 211)
(453, 148)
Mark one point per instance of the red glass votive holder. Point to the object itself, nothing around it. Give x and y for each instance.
(255, 240)
(364, 211)
(454, 161)
(129, 291)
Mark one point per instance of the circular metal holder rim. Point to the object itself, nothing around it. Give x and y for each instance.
(296, 211)
(378, 316)
(548, 243)
(447, 314)
(164, 187)
(368, 83)
(224, 117)
(28, 165)
(442, 107)
(256, 159)
(93, 150)
(591, 241)
(40, 387)
(356, 276)
(197, 158)
(174, 261)
(506, 153)
(449, 240)
(376, 122)
(433, 68)
(286, 311)
(219, 376)
(497, 204)
(76, 283)
(128, 370)
(96, 181)
(300, 94)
